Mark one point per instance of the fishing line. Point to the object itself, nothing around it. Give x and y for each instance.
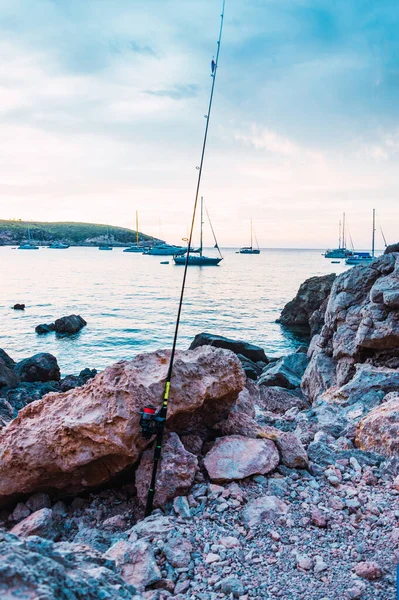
(152, 422)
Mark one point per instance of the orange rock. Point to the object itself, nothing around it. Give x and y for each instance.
(82, 438)
(379, 429)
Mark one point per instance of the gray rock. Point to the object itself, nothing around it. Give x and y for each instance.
(249, 351)
(38, 523)
(286, 372)
(38, 501)
(178, 551)
(69, 325)
(264, 508)
(40, 367)
(232, 586)
(135, 562)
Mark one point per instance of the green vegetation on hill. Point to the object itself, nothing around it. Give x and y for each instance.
(78, 234)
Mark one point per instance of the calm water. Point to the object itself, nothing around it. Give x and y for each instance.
(130, 301)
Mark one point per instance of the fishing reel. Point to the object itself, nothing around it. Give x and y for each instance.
(150, 422)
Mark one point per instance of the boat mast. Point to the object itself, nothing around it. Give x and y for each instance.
(202, 222)
(28, 233)
(339, 236)
(373, 236)
(137, 227)
(251, 234)
(343, 232)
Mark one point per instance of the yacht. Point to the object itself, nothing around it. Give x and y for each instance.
(28, 245)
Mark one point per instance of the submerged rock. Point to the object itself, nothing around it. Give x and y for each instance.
(249, 351)
(236, 457)
(45, 328)
(92, 433)
(69, 325)
(40, 367)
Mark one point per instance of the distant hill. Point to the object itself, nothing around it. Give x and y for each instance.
(74, 234)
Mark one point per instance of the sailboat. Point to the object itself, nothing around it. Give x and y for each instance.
(196, 257)
(106, 246)
(58, 246)
(360, 258)
(250, 249)
(28, 245)
(341, 251)
(136, 247)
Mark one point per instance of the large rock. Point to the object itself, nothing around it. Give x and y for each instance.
(69, 325)
(361, 325)
(379, 430)
(34, 568)
(175, 475)
(253, 353)
(6, 359)
(40, 367)
(286, 372)
(392, 248)
(7, 376)
(92, 433)
(236, 457)
(310, 296)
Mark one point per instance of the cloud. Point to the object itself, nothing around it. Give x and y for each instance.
(177, 92)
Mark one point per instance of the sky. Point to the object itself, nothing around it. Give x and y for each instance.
(102, 106)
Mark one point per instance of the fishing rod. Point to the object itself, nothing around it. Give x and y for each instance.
(153, 422)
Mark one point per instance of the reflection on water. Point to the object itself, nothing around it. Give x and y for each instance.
(130, 301)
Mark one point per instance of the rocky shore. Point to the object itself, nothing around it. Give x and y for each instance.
(278, 479)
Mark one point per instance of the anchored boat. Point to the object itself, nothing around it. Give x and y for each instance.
(341, 251)
(136, 248)
(360, 258)
(28, 245)
(196, 257)
(106, 246)
(250, 249)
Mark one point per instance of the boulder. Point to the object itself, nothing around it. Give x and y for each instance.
(291, 450)
(175, 475)
(310, 296)
(249, 351)
(361, 325)
(286, 372)
(40, 367)
(37, 568)
(6, 359)
(265, 508)
(25, 393)
(379, 429)
(135, 562)
(392, 248)
(19, 307)
(93, 433)
(73, 381)
(7, 376)
(69, 325)
(235, 457)
(45, 328)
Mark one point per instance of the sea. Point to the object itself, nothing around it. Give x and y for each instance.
(130, 301)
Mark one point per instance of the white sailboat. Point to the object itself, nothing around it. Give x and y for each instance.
(136, 248)
(28, 245)
(360, 258)
(196, 257)
(250, 249)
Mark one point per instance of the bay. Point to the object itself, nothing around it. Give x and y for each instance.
(130, 301)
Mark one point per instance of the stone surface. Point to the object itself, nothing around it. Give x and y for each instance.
(368, 570)
(236, 457)
(92, 432)
(279, 400)
(135, 562)
(265, 508)
(40, 367)
(286, 372)
(38, 523)
(7, 376)
(69, 325)
(310, 296)
(35, 568)
(291, 450)
(379, 429)
(249, 351)
(361, 325)
(175, 475)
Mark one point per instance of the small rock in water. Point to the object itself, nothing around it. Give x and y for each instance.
(19, 307)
